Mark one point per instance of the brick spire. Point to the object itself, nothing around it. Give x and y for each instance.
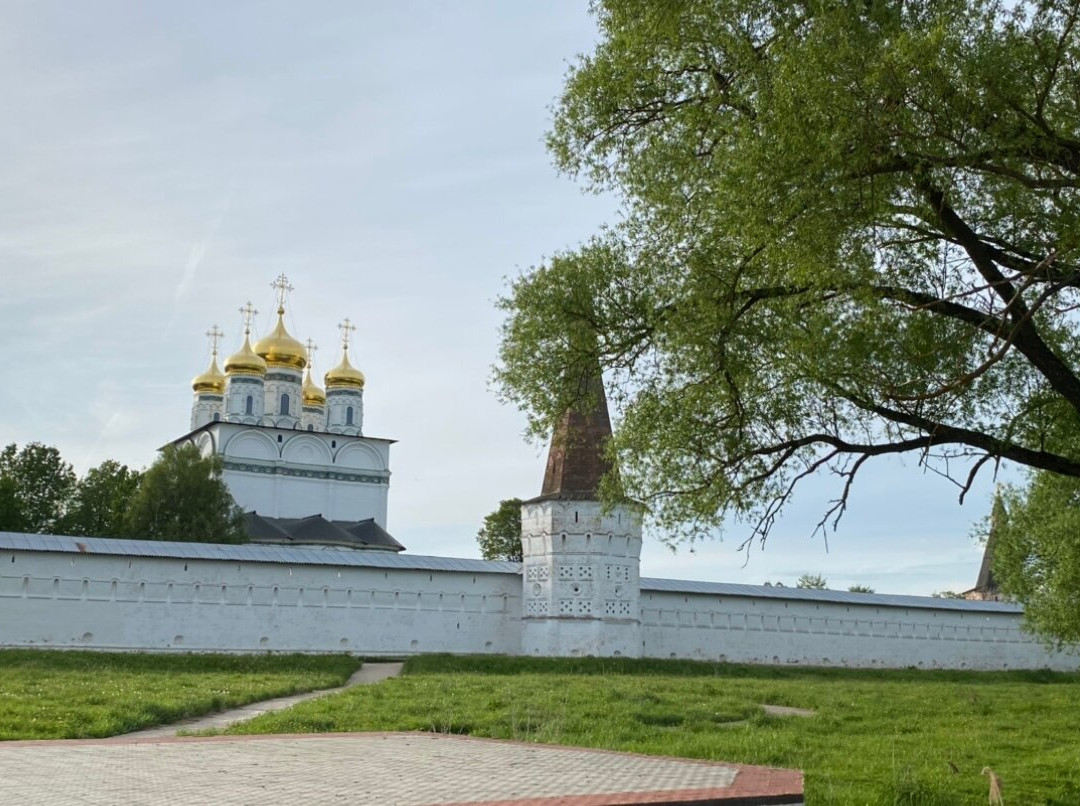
(576, 460)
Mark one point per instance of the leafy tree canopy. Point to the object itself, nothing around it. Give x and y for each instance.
(500, 536)
(860, 589)
(182, 497)
(813, 582)
(36, 485)
(101, 500)
(849, 230)
(1036, 554)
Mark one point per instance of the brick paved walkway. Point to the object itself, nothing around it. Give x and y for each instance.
(398, 769)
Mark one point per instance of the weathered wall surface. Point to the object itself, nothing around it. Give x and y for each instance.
(106, 602)
(743, 629)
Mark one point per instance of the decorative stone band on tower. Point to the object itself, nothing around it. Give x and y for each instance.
(581, 561)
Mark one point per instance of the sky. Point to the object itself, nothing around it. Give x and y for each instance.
(162, 163)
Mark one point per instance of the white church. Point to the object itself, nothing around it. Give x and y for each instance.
(322, 574)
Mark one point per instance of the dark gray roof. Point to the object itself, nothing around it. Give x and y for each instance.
(315, 530)
(834, 597)
(284, 555)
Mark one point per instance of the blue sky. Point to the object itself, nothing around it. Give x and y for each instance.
(161, 163)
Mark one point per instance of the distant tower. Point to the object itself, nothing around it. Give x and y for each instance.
(209, 387)
(285, 361)
(345, 391)
(314, 416)
(986, 587)
(581, 564)
(244, 375)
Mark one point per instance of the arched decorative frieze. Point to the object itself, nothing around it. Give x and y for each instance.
(251, 445)
(358, 456)
(307, 450)
(205, 443)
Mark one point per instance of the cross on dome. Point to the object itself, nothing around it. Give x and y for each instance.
(215, 335)
(282, 286)
(248, 312)
(347, 328)
(311, 348)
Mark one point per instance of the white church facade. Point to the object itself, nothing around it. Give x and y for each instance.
(322, 574)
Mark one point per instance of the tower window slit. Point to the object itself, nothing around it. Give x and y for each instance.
(249, 405)
(348, 415)
(284, 404)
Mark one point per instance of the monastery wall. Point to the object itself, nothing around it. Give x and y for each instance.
(96, 601)
(747, 629)
(86, 593)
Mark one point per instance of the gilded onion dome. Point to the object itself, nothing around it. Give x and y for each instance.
(245, 361)
(312, 394)
(344, 375)
(210, 382)
(280, 349)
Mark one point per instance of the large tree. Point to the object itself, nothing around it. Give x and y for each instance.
(183, 497)
(1036, 553)
(101, 499)
(36, 486)
(850, 230)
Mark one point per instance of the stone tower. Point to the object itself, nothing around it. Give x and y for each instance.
(580, 562)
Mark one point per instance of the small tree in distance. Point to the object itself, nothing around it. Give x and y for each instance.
(860, 589)
(813, 582)
(500, 536)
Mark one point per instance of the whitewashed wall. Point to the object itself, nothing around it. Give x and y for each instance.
(106, 602)
(84, 593)
(743, 629)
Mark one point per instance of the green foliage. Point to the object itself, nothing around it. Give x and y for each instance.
(11, 514)
(1036, 554)
(101, 500)
(182, 497)
(76, 695)
(849, 230)
(36, 486)
(500, 536)
(876, 737)
(812, 581)
(860, 589)
(947, 595)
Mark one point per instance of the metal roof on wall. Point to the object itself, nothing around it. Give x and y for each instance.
(285, 555)
(833, 597)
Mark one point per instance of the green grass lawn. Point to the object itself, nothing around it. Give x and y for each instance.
(878, 737)
(71, 695)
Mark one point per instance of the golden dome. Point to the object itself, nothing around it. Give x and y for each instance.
(210, 382)
(312, 394)
(245, 361)
(345, 375)
(280, 349)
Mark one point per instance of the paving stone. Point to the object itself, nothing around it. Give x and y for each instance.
(404, 769)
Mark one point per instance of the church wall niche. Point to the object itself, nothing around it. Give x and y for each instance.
(307, 450)
(358, 456)
(251, 445)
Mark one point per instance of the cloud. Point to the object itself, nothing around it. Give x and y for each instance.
(200, 247)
